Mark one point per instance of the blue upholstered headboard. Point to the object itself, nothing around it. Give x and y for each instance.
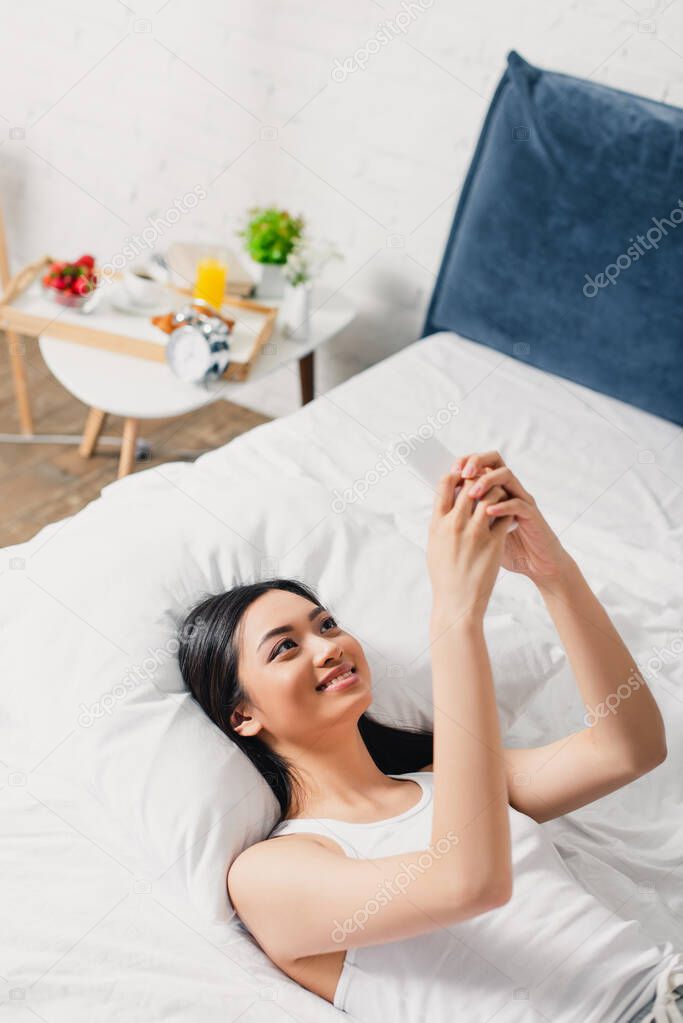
(566, 250)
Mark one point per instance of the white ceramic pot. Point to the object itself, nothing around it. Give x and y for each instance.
(272, 281)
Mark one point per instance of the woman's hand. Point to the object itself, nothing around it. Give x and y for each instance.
(464, 547)
(533, 549)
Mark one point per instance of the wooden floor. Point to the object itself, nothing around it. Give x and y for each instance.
(40, 483)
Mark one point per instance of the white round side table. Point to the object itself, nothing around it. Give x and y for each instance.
(138, 389)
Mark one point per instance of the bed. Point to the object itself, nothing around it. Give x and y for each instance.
(88, 933)
(81, 936)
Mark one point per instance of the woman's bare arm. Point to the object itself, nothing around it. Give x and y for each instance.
(470, 786)
(622, 714)
(299, 898)
(624, 735)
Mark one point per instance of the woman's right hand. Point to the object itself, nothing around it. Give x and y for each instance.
(464, 551)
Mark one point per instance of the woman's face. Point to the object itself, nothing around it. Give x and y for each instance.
(288, 646)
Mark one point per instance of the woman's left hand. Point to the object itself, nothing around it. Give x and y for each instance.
(532, 549)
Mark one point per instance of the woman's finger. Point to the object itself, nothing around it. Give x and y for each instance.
(514, 506)
(476, 462)
(503, 477)
(496, 495)
(445, 494)
(462, 509)
(461, 461)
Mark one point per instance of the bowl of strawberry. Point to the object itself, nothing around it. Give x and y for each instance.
(71, 284)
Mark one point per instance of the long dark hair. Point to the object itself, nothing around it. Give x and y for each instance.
(209, 656)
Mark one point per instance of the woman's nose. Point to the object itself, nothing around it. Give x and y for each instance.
(329, 651)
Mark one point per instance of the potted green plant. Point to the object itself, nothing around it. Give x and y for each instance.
(269, 236)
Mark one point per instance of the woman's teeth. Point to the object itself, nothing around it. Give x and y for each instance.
(337, 678)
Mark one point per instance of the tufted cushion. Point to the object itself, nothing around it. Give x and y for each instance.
(566, 249)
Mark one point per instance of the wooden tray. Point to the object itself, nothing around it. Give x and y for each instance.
(25, 309)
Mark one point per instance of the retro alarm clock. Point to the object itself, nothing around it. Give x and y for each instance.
(199, 342)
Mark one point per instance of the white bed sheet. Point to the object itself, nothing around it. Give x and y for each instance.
(84, 939)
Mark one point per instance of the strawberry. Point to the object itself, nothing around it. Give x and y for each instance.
(82, 286)
(72, 279)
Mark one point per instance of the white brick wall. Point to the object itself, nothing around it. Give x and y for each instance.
(125, 107)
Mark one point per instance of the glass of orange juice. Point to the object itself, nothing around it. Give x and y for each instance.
(212, 275)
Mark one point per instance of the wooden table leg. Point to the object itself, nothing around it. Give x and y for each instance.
(15, 346)
(127, 459)
(16, 357)
(306, 376)
(93, 428)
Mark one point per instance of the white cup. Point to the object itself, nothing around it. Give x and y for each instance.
(141, 285)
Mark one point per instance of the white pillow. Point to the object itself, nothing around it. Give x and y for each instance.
(89, 647)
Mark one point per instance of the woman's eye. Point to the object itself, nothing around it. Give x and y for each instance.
(278, 648)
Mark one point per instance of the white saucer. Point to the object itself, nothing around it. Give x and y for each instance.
(122, 303)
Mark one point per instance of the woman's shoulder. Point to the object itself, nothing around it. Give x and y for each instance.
(311, 838)
(256, 861)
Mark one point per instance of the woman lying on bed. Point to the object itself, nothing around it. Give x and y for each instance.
(401, 889)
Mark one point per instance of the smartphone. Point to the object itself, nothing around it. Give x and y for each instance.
(430, 459)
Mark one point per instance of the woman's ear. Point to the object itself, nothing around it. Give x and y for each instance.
(242, 723)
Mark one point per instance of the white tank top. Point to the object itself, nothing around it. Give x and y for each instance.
(552, 953)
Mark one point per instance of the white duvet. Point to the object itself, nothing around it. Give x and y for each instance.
(83, 943)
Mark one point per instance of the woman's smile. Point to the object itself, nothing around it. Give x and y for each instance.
(340, 680)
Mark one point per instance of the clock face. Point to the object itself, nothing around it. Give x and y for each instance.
(187, 352)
